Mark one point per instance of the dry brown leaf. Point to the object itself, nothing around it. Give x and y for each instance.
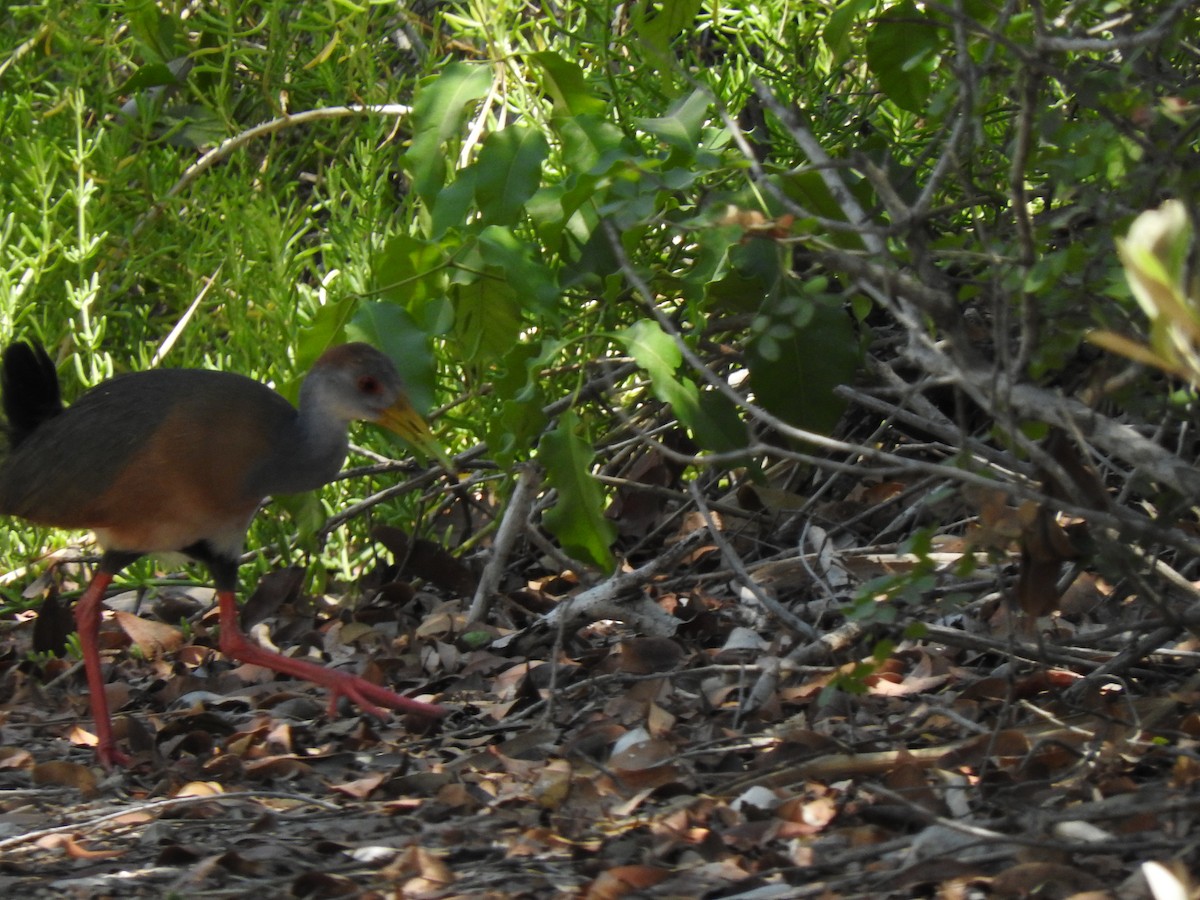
(319, 885)
(61, 773)
(200, 789)
(277, 767)
(553, 784)
(440, 623)
(273, 591)
(624, 880)
(15, 758)
(361, 788)
(1051, 881)
(659, 722)
(74, 850)
(152, 639)
(646, 655)
(419, 863)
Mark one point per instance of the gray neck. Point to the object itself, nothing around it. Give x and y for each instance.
(314, 451)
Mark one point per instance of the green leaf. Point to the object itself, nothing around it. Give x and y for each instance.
(153, 28)
(810, 190)
(795, 367)
(577, 518)
(564, 82)
(411, 273)
(328, 327)
(836, 33)
(148, 76)
(658, 24)
(305, 510)
(511, 434)
(504, 253)
(754, 269)
(680, 127)
(710, 416)
(586, 140)
(509, 170)
(516, 381)
(440, 107)
(594, 261)
(487, 318)
(652, 349)
(195, 126)
(716, 424)
(452, 206)
(902, 53)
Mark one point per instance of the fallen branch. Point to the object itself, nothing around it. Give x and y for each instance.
(620, 597)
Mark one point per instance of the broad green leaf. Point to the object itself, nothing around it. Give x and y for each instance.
(715, 423)
(652, 349)
(516, 381)
(795, 367)
(564, 82)
(153, 28)
(508, 172)
(453, 203)
(658, 24)
(836, 33)
(594, 260)
(503, 252)
(710, 260)
(512, 433)
(710, 416)
(487, 318)
(586, 140)
(306, 511)
(752, 274)
(200, 127)
(577, 518)
(547, 214)
(680, 127)
(411, 273)
(440, 107)
(148, 76)
(902, 53)
(810, 190)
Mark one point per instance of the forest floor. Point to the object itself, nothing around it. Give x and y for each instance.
(795, 686)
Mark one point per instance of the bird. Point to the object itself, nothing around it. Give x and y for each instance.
(179, 461)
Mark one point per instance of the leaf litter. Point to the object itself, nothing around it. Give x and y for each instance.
(772, 697)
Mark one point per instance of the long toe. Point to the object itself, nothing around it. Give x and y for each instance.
(373, 698)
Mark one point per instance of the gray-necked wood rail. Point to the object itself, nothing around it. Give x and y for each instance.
(179, 461)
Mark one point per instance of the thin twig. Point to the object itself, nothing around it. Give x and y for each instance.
(511, 527)
(160, 806)
(229, 146)
(734, 562)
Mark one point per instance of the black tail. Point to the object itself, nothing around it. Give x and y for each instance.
(30, 384)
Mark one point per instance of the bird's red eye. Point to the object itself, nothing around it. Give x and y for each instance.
(368, 384)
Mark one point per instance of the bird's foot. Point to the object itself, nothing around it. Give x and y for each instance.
(373, 699)
(109, 756)
(369, 697)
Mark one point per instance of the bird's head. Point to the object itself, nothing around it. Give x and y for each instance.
(355, 382)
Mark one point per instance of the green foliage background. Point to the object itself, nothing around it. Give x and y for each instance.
(574, 184)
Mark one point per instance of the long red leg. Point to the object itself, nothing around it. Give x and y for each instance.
(371, 698)
(87, 623)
